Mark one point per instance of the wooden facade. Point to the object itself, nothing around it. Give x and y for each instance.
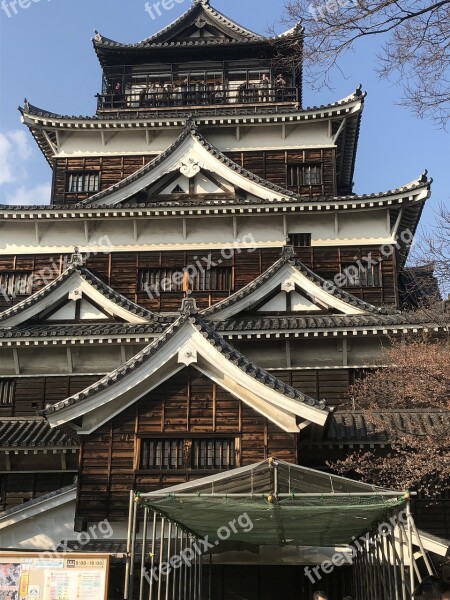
(273, 166)
(122, 271)
(291, 178)
(32, 394)
(188, 406)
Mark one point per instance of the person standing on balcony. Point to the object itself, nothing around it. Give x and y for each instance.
(280, 86)
(265, 85)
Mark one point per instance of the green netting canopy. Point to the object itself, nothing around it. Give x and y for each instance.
(284, 504)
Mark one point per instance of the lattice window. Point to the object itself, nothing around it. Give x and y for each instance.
(304, 174)
(177, 280)
(361, 276)
(83, 182)
(15, 283)
(162, 454)
(172, 454)
(300, 239)
(214, 454)
(7, 388)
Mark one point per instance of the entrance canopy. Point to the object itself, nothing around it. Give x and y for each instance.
(276, 503)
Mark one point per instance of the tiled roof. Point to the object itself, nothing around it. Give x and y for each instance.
(331, 322)
(215, 340)
(288, 195)
(353, 427)
(30, 109)
(32, 433)
(288, 257)
(81, 329)
(39, 500)
(97, 283)
(200, 9)
(117, 548)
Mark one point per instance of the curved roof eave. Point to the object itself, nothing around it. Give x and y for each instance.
(188, 325)
(323, 111)
(288, 258)
(161, 37)
(124, 305)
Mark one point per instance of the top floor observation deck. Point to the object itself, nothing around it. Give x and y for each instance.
(201, 60)
(198, 87)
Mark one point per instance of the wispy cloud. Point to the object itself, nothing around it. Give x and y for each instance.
(15, 152)
(14, 149)
(23, 196)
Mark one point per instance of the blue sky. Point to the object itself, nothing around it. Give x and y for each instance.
(46, 55)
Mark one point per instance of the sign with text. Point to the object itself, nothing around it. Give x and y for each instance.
(33, 576)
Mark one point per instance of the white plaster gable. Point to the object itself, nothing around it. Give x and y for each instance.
(185, 345)
(201, 185)
(279, 303)
(64, 292)
(188, 157)
(306, 296)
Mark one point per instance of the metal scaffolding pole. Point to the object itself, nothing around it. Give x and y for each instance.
(133, 546)
(143, 554)
(422, 549)
(126, 593)
(392, 560)
(169, 544)
(185, 578)
(194, 582)
(175, 570)
(200, 577)
(152, 563)
(210, 577)
(402, 563)
(190, 568)
(410, 545)
(161, 555)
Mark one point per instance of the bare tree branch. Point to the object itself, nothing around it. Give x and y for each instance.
(415, 48)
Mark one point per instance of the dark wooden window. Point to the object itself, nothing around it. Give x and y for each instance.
(304, 174)
(176, 280)
(82, 182)
(362, 276)
(172, 454)
(15, 283)
(300, 239)
(162, 454)
(213, 454)
(7, 387)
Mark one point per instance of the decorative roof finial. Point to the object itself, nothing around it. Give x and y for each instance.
(424, 176)
(188, 306)
(76, 258)
(288, 250)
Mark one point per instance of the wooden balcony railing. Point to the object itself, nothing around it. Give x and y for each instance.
(199, 96)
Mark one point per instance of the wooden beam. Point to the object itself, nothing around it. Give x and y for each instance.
(339, 131)
(16, 361)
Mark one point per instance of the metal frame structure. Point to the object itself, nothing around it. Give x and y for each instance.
(387, 564)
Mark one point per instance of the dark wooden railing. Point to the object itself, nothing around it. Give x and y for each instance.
(199, 95)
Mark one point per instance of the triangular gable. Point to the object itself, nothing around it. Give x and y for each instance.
(76, 295)
(200, 22)
(188, 156)
(189, 341)
(289, 286)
